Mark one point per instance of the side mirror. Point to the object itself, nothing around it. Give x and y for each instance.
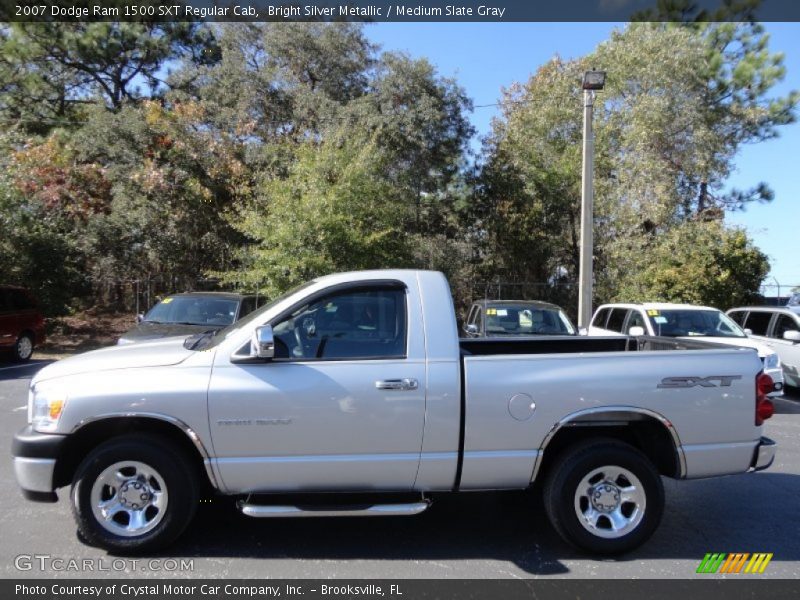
(792, 335)
(471, 329)
(263, 343)
(140, 317)
(636, 331)
(748, 332)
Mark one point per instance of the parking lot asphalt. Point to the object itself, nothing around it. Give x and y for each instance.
(472, 535)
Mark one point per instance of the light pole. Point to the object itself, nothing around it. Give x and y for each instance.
(592, 81)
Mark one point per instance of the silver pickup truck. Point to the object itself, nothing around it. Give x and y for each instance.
(359, 383)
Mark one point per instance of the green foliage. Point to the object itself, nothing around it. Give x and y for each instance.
(335, 211)
(698, 263)
(679, 102)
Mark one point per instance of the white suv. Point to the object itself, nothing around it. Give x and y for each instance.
(685, 321)
(778, 328)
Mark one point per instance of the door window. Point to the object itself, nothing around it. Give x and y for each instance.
(367, 323)
(635, 319)
(738, 316)
(617, 319)
(758, 322)
(783, 324)
(600, 318)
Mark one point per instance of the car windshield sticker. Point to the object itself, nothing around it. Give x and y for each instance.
(660, 320)
(502, 312)
(491, 311)
(166, 301)
(652, 313)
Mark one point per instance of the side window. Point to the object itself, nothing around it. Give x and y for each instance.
(600, 318)
(364, 323)
(758, 322)
(19, 300)
(616, 319)
(635, 319)
(472, 312)
(248, 306)
(738, 317)
(783, 324)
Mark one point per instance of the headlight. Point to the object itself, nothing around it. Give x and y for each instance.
(45, 408)
(772, 361)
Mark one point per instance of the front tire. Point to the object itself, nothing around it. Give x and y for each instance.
(23, 347)
(604, 497)
(134, 494)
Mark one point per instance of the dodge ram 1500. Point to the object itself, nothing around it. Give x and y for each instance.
(358, 383)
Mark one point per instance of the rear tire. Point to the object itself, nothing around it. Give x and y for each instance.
(134, 494)
(23, 347)
(604, 497)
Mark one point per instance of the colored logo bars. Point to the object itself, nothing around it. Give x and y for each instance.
(740, 562)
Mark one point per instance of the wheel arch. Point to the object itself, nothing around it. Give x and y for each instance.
(93, 431)
(648, 431)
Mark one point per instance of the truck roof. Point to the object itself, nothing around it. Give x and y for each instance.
(658, 306)
(536, 303)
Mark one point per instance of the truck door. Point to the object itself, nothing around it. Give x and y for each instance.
(342, 405)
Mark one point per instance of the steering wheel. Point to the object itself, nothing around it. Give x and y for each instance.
(304, 333)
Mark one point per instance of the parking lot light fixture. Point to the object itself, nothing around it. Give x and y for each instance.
(592, 81)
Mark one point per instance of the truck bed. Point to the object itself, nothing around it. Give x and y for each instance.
(576, 344)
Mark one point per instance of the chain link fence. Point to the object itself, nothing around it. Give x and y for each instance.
(777, 294)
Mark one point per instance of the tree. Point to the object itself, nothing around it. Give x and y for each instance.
(679, 103)
(48, 70)
(336, 211)
(698, 263)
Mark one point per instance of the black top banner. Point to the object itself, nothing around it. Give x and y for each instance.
(400, 10)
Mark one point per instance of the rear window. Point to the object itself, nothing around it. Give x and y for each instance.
(758, 322)
(616, 320)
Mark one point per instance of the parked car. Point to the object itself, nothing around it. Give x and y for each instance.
(358, 383)
(778, 328)
(794, 299)
(685, 321)
(500, 318)
(21, 322)
(190, 313)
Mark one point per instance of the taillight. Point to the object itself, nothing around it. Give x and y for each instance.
(764, 407)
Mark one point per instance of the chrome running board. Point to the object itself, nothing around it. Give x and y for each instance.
(375, 510)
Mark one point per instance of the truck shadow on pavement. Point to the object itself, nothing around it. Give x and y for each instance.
(10, 370)
(743, 513)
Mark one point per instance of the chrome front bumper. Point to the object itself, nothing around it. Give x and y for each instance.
(34, 474)
(764, 454)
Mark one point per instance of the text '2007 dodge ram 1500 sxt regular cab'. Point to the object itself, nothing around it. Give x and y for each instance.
(359, 383)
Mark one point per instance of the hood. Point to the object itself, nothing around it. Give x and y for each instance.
(746, 342)
(147, 330)
(161, 353)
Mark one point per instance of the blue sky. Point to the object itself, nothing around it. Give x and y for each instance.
(485, 57)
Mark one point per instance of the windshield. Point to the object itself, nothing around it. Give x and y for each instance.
(205, 341)
(194, 310)
(526, 319)
(691, 323)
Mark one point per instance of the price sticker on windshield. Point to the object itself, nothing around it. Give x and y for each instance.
(166, 301)
(652, 313)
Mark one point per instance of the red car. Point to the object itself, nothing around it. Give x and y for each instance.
(21, 323)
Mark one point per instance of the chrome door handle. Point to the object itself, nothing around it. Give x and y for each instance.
(397, 384)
